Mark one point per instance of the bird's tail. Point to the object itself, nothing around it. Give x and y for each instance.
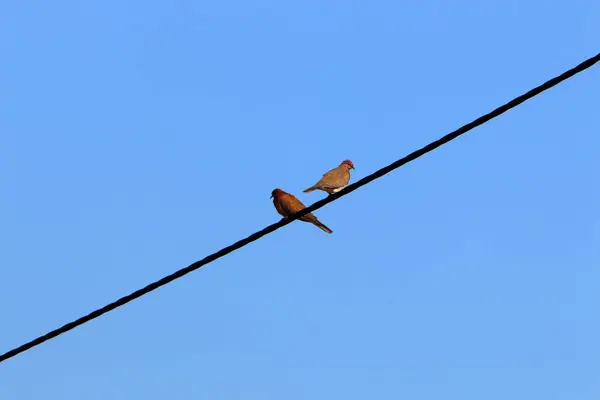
(321, 225)
(310, 189)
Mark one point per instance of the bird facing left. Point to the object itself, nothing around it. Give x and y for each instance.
(287, 204)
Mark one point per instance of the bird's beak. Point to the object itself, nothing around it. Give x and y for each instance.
(271, 196)
(352, 167)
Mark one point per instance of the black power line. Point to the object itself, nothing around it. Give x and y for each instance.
(257, 235)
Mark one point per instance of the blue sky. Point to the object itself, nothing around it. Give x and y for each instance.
(137, 137)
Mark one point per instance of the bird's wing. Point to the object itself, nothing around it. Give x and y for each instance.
(335, 178)
(290, 204)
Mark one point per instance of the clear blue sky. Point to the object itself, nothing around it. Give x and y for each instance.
(139, 136)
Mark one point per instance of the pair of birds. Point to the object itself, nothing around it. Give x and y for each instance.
(332, 181)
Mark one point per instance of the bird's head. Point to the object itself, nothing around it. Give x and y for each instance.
(277, 193)
(348, 164)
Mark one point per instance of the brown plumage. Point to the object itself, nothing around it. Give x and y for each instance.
(287, 204)
(334, 180)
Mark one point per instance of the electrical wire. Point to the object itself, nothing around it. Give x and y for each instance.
(273, 227)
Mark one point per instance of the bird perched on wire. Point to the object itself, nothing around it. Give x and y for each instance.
(334, 180)
(287, 204)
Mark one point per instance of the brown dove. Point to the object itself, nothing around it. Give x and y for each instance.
(287, 204)
(334, 180)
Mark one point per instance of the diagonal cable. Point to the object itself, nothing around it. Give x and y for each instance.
(257, 235)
